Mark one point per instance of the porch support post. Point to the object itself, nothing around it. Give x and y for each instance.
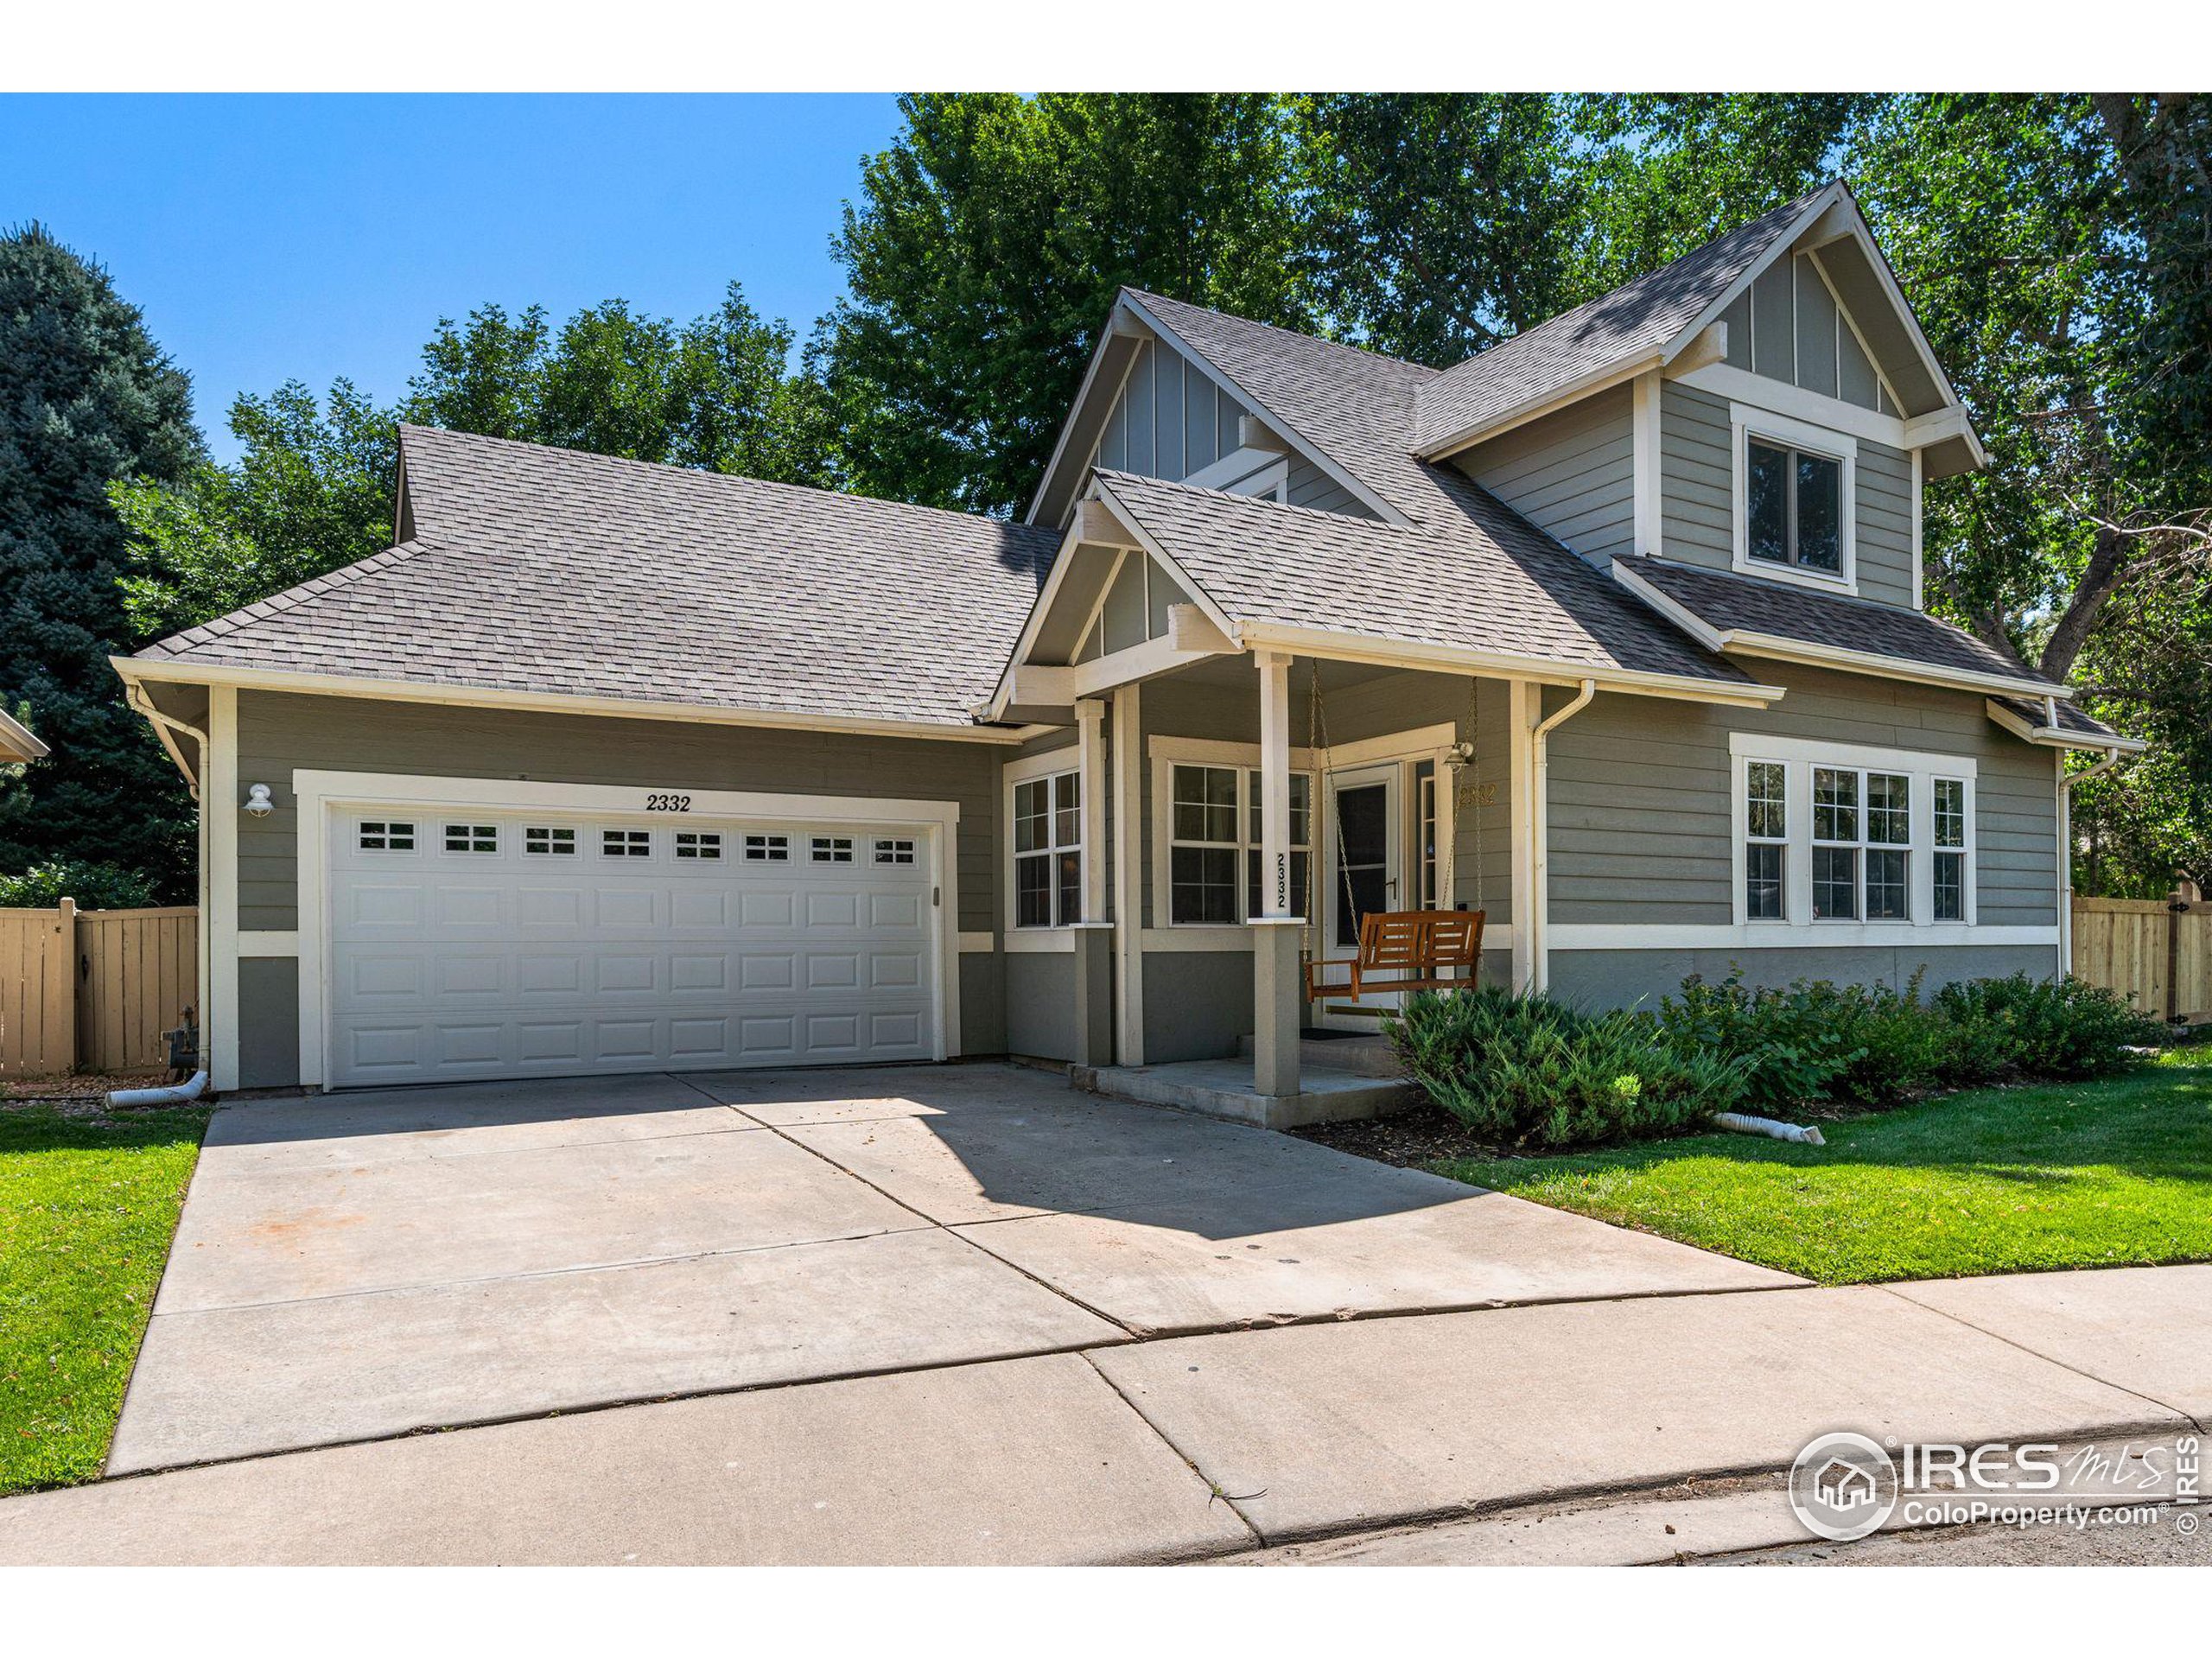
(1128, 877)
(1094, 993)
(1090, 728)
(1277, 994)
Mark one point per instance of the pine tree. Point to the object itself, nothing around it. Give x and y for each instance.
(85, 398)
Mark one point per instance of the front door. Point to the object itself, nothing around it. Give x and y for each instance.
(1362, 838)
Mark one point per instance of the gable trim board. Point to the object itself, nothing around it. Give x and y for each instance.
(1742, 642)
(135, 669)
(2046, 735)
(319, 794)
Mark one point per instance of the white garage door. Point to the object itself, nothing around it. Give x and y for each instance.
(477, 944)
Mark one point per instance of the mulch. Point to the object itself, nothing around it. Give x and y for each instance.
(1413, 1139)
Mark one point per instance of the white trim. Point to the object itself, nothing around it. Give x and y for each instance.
(1106, 337)
(1355, 648)
(1645, 461)
(1787, 401)
(2058, 737)
(1090, 807)
(1919, 574)
(317, 792)
(1771, 936)
(1602, 379)
(1230, 937)
(1798, 757)
(1039, 941)
(219, 802)
(1244, 471)
(1051, 763)
(18, 744)
(978, 942)
(1128, 875)
(268, 941)
(2064, 849)
(469, 697)
(1414, 743)
(1746, 422)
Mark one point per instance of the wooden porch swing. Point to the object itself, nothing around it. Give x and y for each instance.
(1399, 949)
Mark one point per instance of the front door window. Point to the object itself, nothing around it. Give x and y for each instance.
(1363, 882)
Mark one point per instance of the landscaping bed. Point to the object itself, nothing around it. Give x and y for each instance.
(89, 1200)
(2112, 1173)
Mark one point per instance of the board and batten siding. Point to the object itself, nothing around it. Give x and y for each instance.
(1572, 473)
(1640, 814)
(1697, 522)
(1788, 327)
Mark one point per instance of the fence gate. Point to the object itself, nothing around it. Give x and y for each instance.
(92, 991)
(2159, 951)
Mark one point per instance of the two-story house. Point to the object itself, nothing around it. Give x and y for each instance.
(1613, 634)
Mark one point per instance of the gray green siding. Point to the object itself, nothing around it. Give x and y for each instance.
(1619, 979)
(1697, 510)
(1170, 420)
(1572, 473)
(1640, 808)
(1787, 326)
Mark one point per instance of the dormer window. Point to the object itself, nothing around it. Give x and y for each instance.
(1795, 504)
(1796, 492)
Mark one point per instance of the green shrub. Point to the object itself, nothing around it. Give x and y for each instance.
(1526, 1071)
(1874, 1044)
(2043, 1028)
(94, 886)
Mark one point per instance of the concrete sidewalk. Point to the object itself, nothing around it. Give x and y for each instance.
(1197, 1447)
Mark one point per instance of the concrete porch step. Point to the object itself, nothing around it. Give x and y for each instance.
(1355, 1052)
(1223, 1089)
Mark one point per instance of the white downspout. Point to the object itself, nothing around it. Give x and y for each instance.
(1540, 966)
(2066, 782)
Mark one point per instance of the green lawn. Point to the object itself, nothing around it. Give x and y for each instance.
(1997, 1180)
(87, 1207)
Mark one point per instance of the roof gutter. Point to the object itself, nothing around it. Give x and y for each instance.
(2052, 735)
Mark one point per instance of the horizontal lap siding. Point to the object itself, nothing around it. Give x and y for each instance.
(1572, 473)
(1640, 808)
(1697, 496)
(280, 733)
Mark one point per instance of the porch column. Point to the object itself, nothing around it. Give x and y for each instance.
(1277, 995)
(1090, 729)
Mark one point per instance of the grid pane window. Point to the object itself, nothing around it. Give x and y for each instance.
(543, 841)
(900, 851)
(626, 843)
(1889, 833)
(1793, 507)
(387, 836)
(1205, 804)
(1766, 825)
(1836, 884)
(698, 843)
(1889, 809)
(1949, 857)
(1301, 832)
(1047, 850)
(768, 849)
(1213, 870)
(1835, 805)
(830, 849)
(471, 838)
(1203, 884)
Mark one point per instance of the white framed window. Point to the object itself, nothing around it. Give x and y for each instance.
(471, 838)
(386, 836)
(1766, 840)
(894, 849)
(1847, 836)
(768, 849)
(703, 844)
(1214, 843)
(541, 841)
(830, 849)
(1048, 850)
(1796, 496)
(626, 843)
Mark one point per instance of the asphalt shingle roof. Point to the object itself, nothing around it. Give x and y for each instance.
(1727, 603)
(1486, 580)
(551, 570)
(1632, 322)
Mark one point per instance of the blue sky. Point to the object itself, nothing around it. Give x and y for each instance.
(268, 238)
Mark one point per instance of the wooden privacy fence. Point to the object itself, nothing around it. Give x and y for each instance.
(92, 991)
(2158, 950)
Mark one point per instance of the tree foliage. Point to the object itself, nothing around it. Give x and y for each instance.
(86, 398)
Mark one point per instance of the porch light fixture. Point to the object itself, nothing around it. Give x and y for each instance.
(258, 803)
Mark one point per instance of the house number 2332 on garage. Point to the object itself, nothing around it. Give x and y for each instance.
(667, 803)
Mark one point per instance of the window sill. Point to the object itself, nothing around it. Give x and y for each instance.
(1039, 941)
(1797, 577)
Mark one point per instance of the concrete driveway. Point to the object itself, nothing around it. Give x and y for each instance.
(357, 1268)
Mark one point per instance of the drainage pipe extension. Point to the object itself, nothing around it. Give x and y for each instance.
(176, 1095)
(1802, 1133)
(1539, 964)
